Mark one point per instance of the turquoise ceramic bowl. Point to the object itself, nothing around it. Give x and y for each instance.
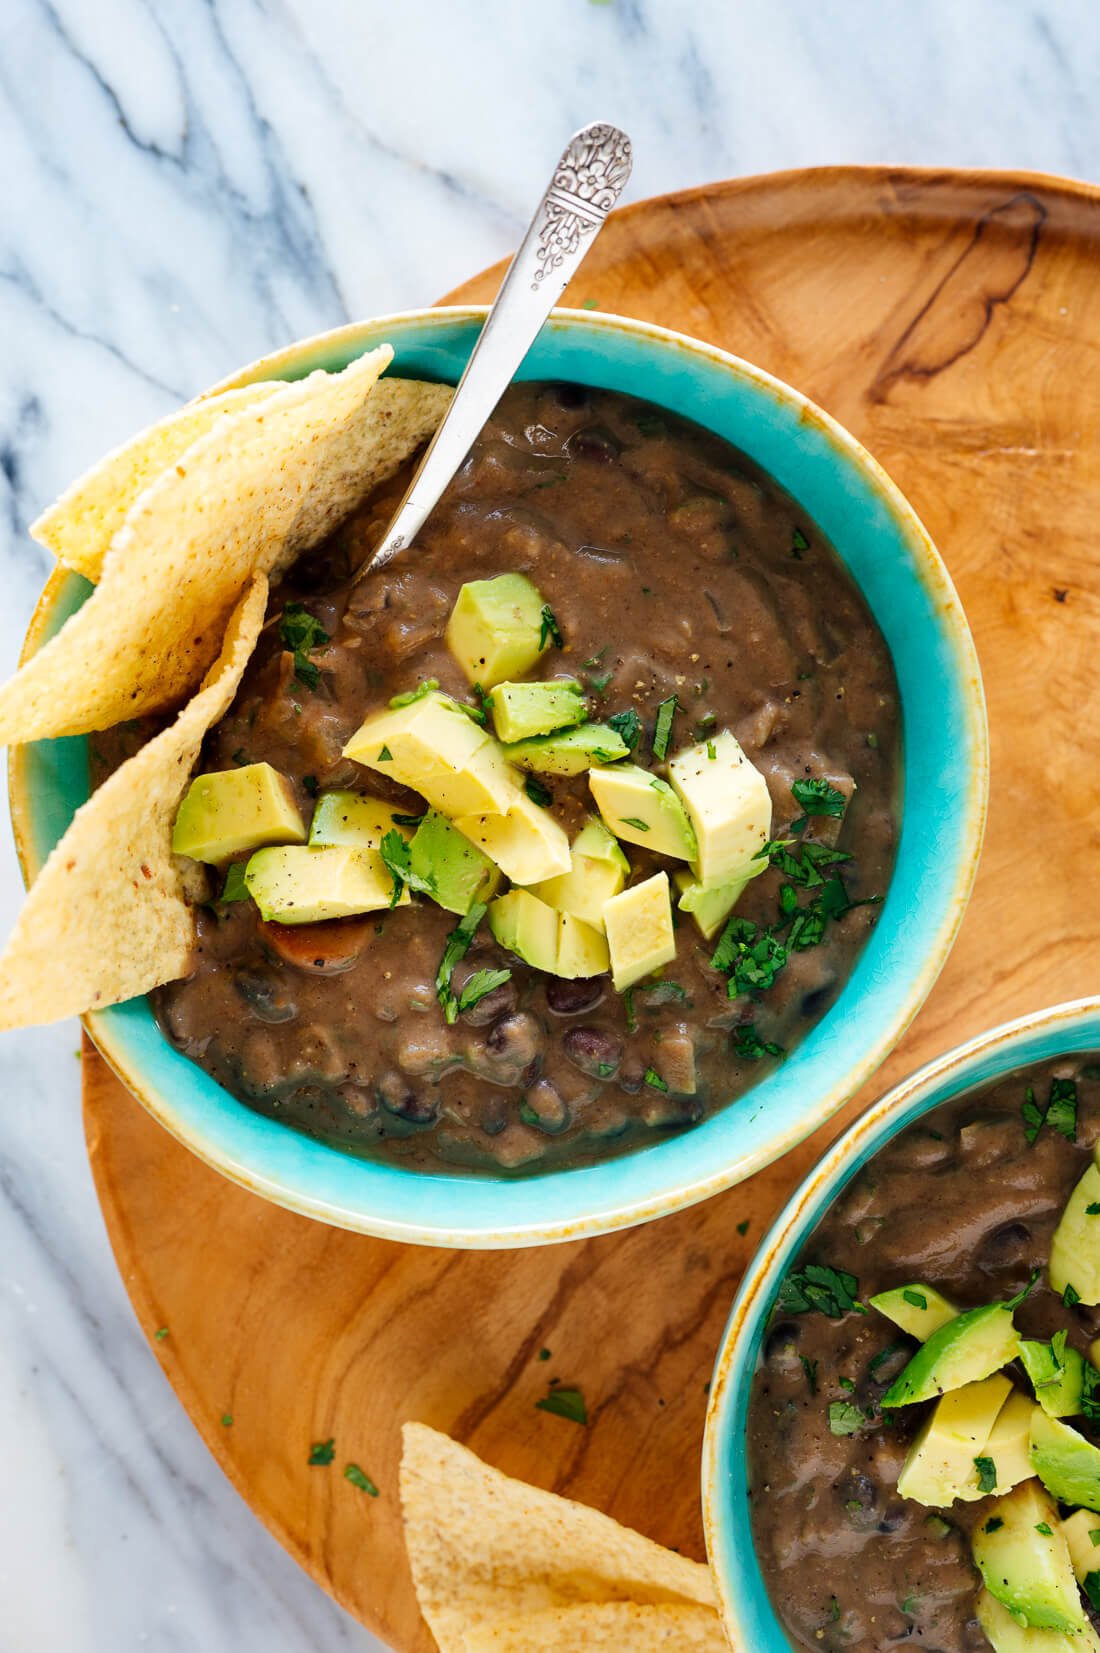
(945, 759)
(746, 1610)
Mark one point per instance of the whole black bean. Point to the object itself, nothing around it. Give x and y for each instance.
(544, 1108)
(893, 1517)
(570, 998)
(514, 1039)
(859, 1497)
(593, 442)
(405, 1101)
(266, 995)
(497, 1003)
(1004, 1247)
(592, 1051)
(781, 1342)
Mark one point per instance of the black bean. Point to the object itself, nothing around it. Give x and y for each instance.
(893, 1517)
(544, 1108)
(592, 1051)
(570, 998)
(497, 1003)
(266, 995)
(781, 1342)
(571, 396)
(858, 1494)
(1004, 1247)
(593, 442)
(405, 1101)
(631, 1076)
(514, 1038)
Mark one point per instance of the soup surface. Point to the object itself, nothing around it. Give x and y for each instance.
(962, 1201)
(673, 568)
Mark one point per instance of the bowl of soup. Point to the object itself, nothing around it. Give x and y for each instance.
(901, 1440)
(713, 666)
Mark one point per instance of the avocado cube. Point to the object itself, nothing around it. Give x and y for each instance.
(643, 809)
(918, 1309)
(1084, 1550)
(434, 747)
(1024, 1561)
(728, 804)
(594, 841)
(522, 710)
(550, 941)
(640, 937)
(583, 891)
(582, 950)
(1075, 1247)
(458, 872)
(570, 751)
(495, 628)
(354, 820)
(710, 904)
(1006, 1634)
(526, 842)
(1008, 1446)
(970, 1347)
(1067, 1464)
(1058, 1379)
(296, 884)
(233, 810)
(939, 1466)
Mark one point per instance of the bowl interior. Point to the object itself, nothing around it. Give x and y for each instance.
(944, 765)
(749, 1617)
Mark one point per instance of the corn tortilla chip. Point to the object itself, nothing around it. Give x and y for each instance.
(483, 1546)
(79, 527)
(106, 917)
(604, 1627)
(266, 483)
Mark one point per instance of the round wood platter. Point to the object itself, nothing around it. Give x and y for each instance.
(950, 321)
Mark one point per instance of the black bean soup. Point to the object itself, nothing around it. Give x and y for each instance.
(965, 1201)
(673, 567)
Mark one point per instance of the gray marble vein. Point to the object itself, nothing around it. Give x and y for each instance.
(185, 184)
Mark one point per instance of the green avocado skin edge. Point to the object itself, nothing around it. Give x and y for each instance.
(973, 1346)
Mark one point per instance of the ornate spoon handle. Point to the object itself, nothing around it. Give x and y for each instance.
(587, 182)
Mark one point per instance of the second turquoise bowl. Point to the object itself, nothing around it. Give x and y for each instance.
(747, 1612)
(911, 596)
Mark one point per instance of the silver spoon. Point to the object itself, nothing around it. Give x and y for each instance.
(586, 184)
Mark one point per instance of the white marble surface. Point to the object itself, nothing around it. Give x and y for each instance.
(183, 185)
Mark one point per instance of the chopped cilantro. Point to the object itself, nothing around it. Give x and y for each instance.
(425, 686)
(810, 1369)
(549, 630)
(662, 992)
(819, 1287)
(227, 1420)
(883, 1356)
(628, 1006)
(235, 888)
(458, 945)
(406, 820)
(564, 1403)
(818, 797)
(653, 1078)
(1070, 1296)
(712, 751)
(1045, 1528)
(484, 706)
(628, 726)
(743, 1227)
(322, 1452)
(994, 1524)
(662, 733)
(311, 784)
(799, 543)
(909, 1606)
(844, 1418)
(598, 684)
(480, 985)
(834, 1609)
(1093, 1209)
(161, 1333)
(1094, 1536)
(385, 755)
(1090, 1398)
(751, 957)
(1091, 1586)
(748, 1044)
(633, 820)
(916, 1298)
(537, 793)
(1061, 1114)
(360, 1479)
(846, 1384)
(301, 632)
(937, 1526)
(395, 852)
(987, 1474)
(1032, 1115)
(544, 1354)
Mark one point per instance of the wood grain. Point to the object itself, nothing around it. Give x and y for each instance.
(951, 321)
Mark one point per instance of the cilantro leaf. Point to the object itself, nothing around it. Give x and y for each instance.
(654, 1080)
(301, 632)
(634, 821)
(748, 1044)
(458, 945)
(549, 630)
(1061, 1114)
(751, 957)
(661, 992)
(627, 725)
(394, 850)
(426, 686)
(844, 1418)
(235, 888)
(662, 733)
(564, 1403)
(1032, 1115)
(537, 793)
(360, 1479)
(810, 1369)
(819, 797)
(322, 1452)
(821, 1288)
(799, 543)
(1091, 1586)
(987, 1474)
(480, 985)
(916, 1298)
(994, 1524)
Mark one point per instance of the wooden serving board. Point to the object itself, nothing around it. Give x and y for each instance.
(952, 322)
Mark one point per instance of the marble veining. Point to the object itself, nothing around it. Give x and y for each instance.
(185, 184)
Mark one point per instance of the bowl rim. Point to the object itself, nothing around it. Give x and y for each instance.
(604, 1210)
(726, 1519)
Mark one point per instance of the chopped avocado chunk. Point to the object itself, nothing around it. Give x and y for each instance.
(919, 1310)
(548, 940)
(233, 810)
(294, 884)
(1009, 1445)
(640, 936)
(1024, 1561)
(728, 805)
(495, 631)
(939, 1466)
(584, 890)
(432, 746)
(458, 873)
(1007, 1635)
(570, 751)
(525, 841)
(1057, 1373)
(598, 844)
(964, 1350)
(1067, 1464)
(1075, 1248)
(523, 710)
(352, 819)
(709, 904)
(642, 809)
(1084, 1549)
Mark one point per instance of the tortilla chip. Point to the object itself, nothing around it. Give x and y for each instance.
(604, 1627)
(264, 484)
(106, 917)
(483, 1546)
(80, 526)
